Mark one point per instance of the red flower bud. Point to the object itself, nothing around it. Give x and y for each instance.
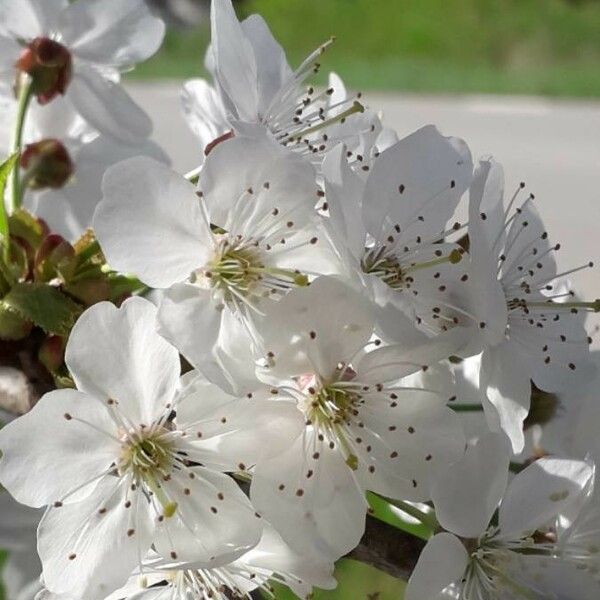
(49, 65)
(54, 254)
(48, 164)
(52, 352)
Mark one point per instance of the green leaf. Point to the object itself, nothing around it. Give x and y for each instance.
(395, 516)
(5, 170)
(43, 304)
(356, 581)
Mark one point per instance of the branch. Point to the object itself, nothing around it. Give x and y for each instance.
(388, 549)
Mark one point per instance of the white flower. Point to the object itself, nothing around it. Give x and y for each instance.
(271, 559)
(529, 333)
(254, 85)
(367, 421)
(22, 569)
(518, 557)
(116, 470)
(68, 210)
(96, 40)
(251, 236)
(388, 231)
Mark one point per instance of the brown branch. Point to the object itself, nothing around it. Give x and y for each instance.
(388, 549)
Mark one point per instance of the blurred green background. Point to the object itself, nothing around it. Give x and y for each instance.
(548, 47)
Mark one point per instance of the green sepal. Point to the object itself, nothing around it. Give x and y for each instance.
(44, 305)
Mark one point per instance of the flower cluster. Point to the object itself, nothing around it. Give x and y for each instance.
(295, 327)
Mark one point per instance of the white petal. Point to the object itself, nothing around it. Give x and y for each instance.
(271, 63)
(106, 106)
(433, 171)
(127, 361)
(508, 391)
(467, 493)
(28, 19)
(344, 191)
(314, 328)
(310, 496)
(486, 208)
(442, 562)
(150, 223)
(229, 434)
(542, 491)
(9, 53)
(210, 336)
(401, 440)
(278, 179)
(46, 455)
(214, 523)
(111, 32)
(234, 61)
(300, 571)
(204, 111)
(88, 552)
(17, 525)
(393, 362)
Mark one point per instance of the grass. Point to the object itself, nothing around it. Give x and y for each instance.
(548, 47)
(356, 581)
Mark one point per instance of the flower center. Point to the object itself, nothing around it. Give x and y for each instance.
(330, 410)
(239, 273)
(49, 65)
(396, 273)
(147, 455)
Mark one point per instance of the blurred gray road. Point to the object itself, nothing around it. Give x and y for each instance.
(554, 146)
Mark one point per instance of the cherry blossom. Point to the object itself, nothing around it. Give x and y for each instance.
(255, 86)
(519, 557)
(531, 328)
(95, 39)
(226, 251)
(112, 466)
(369, 422)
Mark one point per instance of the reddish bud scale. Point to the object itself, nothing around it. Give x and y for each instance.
(51, 352)
(48, 163)
(50, 67)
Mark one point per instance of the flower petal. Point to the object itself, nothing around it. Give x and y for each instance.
(508, 392)
(442, 562)
(271, 64)
(310, 496)
(210, 337)
(234, 62)
(106, 106)
(150, 223)
(65, 441)
(90, 548)
(115, 353)
(467, 493)
(400, 442)
(313, 329)
(545, 489)
(204, 112)
(111, 32)
(230, 434)
(214, 522)
(27, 19)
(266, 177)
(416, 184)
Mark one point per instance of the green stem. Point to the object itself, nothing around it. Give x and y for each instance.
(466, 407)
(25, 95)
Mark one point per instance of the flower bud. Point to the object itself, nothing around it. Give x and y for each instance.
(54, 254)
(47, 163)
(49, 65)
(52, 352)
